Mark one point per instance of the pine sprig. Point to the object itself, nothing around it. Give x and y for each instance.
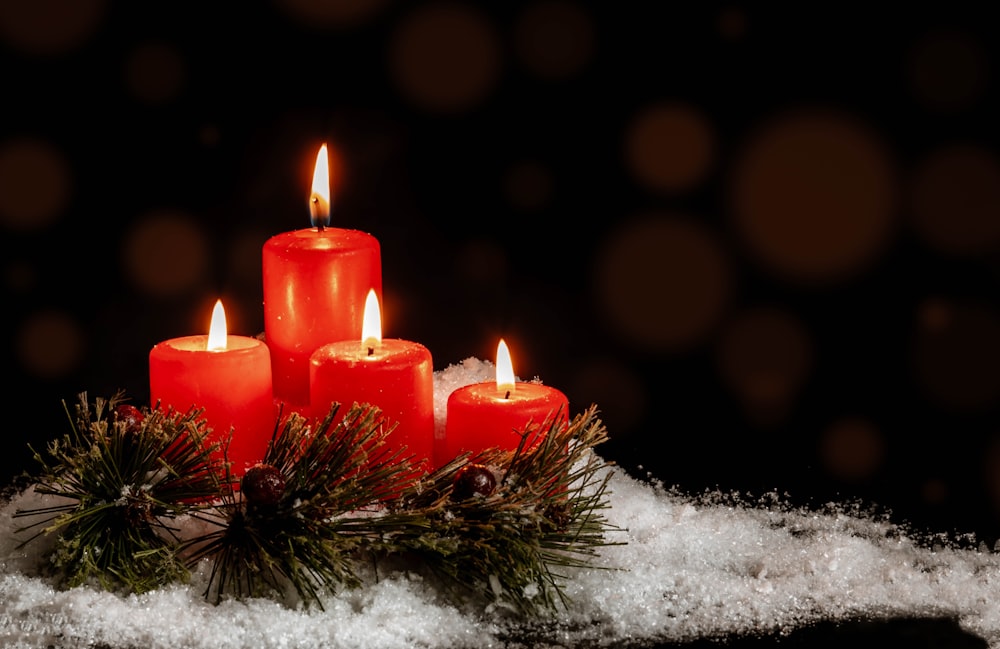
(138, 502)
(332, 480)
(508, 547)
(118, 484)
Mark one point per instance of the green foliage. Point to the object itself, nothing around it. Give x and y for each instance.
(335, 476)
(117, 489)
(336, 504)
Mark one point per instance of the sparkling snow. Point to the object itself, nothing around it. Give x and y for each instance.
(691, 567)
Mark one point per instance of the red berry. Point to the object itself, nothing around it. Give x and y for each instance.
(473, 480)
(130, 416)
(263, 484)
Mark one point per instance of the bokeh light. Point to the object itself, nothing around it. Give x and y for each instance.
(948, 70)
(955, 200)
(764, 355)
(50, 344)
(481, 264)
(326, 14)
(814, 196)
(155, 72)
(991, 473)
(852, 449)
(19, 276)
(244, 259)
(35, 184)
(732, 23)
(670, 147)
(554, 39)
(617, 390)
(528, 185)
(445, 57)
(662, 282)
(956, 353)
(166, 254)
(49, 27)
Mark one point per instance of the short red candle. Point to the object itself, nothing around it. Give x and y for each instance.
(495, 414)
(232, 385)
(315, 281)
(397, 376)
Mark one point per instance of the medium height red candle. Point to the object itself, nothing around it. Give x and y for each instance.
(495, 414)
(229, 377)
(314, 284)
(395, 375)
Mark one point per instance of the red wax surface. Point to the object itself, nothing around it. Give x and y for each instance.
(314, 284)
(398, 378)
(233, 386)
(480, 416)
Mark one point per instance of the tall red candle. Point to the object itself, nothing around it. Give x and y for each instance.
(495, 414)
(227, 376)
(395, 375)
(315, 281)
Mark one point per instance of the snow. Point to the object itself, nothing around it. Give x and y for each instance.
(688, 567)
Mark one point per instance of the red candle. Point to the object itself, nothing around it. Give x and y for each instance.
(495, 414)
(395, 375)
(227, 376)
(314, 284)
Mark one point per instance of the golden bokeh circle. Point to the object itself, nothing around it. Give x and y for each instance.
(814, 196)
(764, 354)
(662, 282)
(50, 344)
(528, 185)
(49, 27)
(956, 353)
(955, 200)
(35, 184)
(155, 73)
(853, 449)
(669, 146)
(616, 389)
(327, 14)
(948, 70)
(445, 57)
(166, 254)
(481, 263)
(554, 39)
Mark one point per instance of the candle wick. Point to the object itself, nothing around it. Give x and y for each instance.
(507, 395)
(320, 223)
(371, 351)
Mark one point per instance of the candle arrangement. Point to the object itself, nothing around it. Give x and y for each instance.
(315, 284)
(312, 452)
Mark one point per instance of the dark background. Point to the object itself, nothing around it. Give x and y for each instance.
(763, 242)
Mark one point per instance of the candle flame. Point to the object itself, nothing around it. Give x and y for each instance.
(217, 330)
(371, 324)
(505, 369)
(319, 199)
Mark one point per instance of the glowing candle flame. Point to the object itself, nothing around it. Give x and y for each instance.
(505, 369)
(319, 199)
(217, 330)
(371, 324)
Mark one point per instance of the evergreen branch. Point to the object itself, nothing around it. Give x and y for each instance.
(505, 528)
(117, 477)
(504, 545)
(306, 533)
